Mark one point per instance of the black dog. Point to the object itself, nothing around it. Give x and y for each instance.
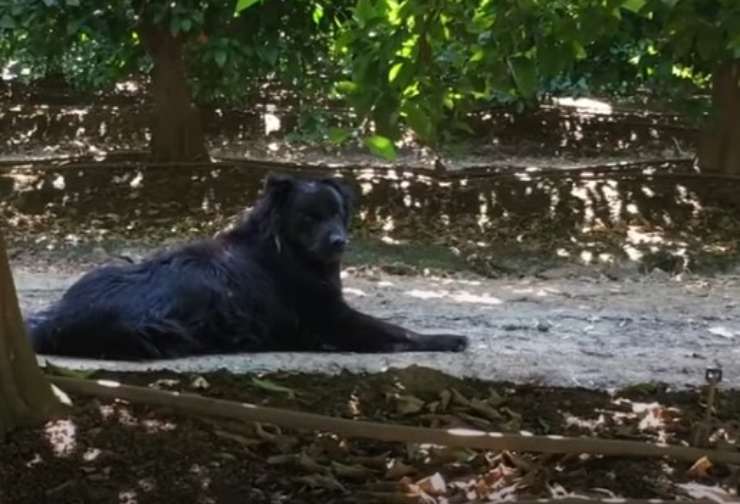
(270, 284)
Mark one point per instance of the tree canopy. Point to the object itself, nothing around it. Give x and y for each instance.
(396, 63)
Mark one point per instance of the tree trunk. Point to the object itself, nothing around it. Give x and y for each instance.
(177, 130)
(26, 397)
(719, 146)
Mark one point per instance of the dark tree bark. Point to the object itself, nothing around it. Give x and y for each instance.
(719, 146)
(177, 130)
(26, 397)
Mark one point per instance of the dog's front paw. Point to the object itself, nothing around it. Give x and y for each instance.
(448, 343)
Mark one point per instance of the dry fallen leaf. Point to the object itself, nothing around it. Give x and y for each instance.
(495, 399)
(321, 481)
(408, 405)
(459, 399)
(310, 464)
(271, 386)
(483, 409)
(700, 469)
(242, 440)
(450, 454)
(200, 383)
(433, 485)
(398, 470)
(353, 472)
(444, 400)
(374, 462)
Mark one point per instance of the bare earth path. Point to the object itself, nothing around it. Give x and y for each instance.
(570, 331)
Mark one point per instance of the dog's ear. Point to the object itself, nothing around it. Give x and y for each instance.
(278, 184)
(345, 191)
(278, 187)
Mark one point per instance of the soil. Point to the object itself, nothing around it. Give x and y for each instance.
(115, 452)
(572, 329)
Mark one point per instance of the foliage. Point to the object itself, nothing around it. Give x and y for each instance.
(95, 44)
(398, 63)
(428, 64)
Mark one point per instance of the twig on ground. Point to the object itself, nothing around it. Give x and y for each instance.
(198, 405)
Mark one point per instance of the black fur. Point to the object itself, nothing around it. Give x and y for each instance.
(270, 284)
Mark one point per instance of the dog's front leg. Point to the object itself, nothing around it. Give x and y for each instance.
(354, 331)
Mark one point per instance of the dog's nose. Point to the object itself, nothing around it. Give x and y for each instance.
(338, 242)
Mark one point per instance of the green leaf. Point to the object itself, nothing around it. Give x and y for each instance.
(346, 87)
(578, 50)
(709, 44)
(419, 121)
(54, 370)
(633, 5)
(220, 57)
(7, 22)
(365, 11)
(338, 135)
(318, 13)
(478, 55)
(463, 126)
(381, 146)
(186, 24)
(273, 387)
(73, 3)
(394, 71)
(524, 72)
(244, 4)
(550, 57)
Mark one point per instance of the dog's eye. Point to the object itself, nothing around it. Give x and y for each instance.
(311, 217)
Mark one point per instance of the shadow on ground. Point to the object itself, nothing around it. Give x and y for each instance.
(495, 220)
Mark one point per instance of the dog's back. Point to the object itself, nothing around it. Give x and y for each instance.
(163, 307)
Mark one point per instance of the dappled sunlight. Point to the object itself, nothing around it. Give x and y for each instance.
(128, 497)
(61, 436)
(590, 424)
(91, 454)
(34, 461)
(456, 281)
(466, 297)
(272, 123)
(455, 296)
(61, 395)
(153, 425)
(108, 383)
(354, 292)
(536, 291)
(391, 241)
(708, 492)
(600, 215)
(585, 104)
(129, 87)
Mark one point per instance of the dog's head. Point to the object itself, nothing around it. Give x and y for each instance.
(310, 216)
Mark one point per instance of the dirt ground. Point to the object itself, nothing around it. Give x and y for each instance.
(569, 330)
(112, 451)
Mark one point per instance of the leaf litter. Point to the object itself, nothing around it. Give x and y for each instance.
(210, 460)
